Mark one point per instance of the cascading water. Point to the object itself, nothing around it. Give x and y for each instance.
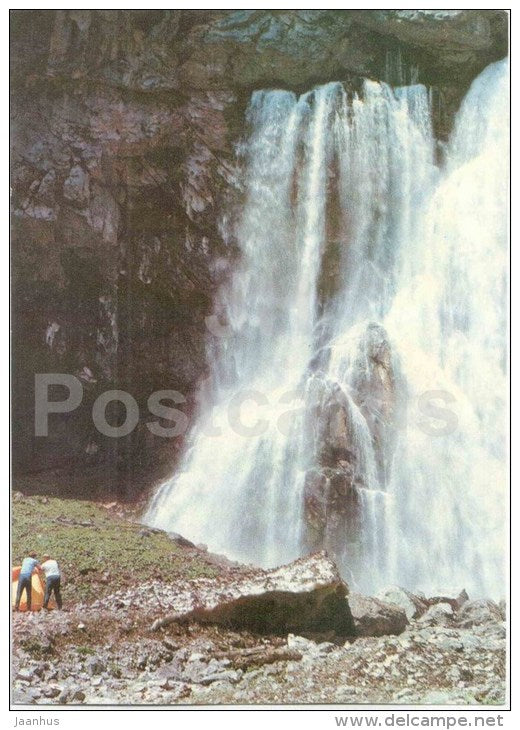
(241, 490)
(371, 289)
(448, 322)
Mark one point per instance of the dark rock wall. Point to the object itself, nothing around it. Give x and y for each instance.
(123, 133)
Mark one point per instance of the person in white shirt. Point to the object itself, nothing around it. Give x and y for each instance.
(52, 581)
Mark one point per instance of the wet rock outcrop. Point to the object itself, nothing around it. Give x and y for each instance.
(124, 126)
(352, 433)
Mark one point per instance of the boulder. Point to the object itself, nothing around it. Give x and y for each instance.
(24, 695)
(454, 596)
(52, 691)
(307, 647)
(64, 696)
(77, 694)
(440, 614)
(307, 595)
(94, 665)
(301, 644)
(413, 605)
(228, 675)
(373, 617)
(478, 613)
(26, 674)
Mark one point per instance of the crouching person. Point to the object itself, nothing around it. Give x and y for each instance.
(29, 564)
(52, 581)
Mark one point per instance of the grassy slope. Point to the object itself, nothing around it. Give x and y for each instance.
(98, 551)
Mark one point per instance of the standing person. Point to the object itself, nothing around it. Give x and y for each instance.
(24, 580)
(52, 581)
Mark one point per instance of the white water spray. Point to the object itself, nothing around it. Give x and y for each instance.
(371, 278)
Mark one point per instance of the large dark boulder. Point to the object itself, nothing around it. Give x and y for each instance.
(307, 595)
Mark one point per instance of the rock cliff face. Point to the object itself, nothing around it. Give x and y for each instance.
(124, 127)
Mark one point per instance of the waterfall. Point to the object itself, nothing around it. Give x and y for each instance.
(357, 394)
(240, 490)
(449, 322)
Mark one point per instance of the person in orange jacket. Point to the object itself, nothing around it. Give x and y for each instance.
(29, 564)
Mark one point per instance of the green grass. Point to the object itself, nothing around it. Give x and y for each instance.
(102, 556)
(85, 650)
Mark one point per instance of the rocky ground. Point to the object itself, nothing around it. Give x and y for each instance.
(167, 641)
(90, 656)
